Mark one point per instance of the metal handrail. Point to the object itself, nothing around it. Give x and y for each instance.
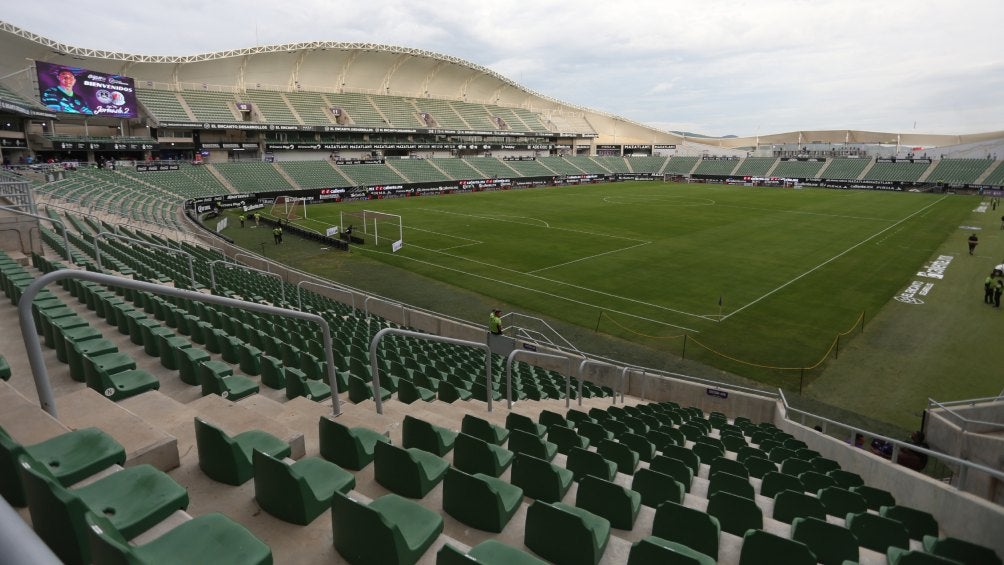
(429, 337)
(508, 372)
(34, 349)
(579, 375)
(963, 464)
(212, 275)
(299, 288)
(108, 234)
(19, 544)
(66, 239)
(966, 422)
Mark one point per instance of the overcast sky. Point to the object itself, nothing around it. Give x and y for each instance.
(716, 67)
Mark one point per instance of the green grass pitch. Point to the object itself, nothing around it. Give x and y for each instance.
(761, 280)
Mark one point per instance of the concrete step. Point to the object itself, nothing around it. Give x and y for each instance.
(143, 442)
(178, 419)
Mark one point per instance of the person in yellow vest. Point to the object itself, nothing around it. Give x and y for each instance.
(277, 235)
(495, 322)
(242, 217)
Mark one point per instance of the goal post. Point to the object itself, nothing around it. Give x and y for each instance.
(379, 229)
(289, 207)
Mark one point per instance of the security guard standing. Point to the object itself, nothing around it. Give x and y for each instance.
(495, 322)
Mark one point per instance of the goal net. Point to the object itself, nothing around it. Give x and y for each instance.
(379, 229)
(289, 207)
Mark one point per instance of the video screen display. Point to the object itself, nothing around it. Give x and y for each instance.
(75, 90)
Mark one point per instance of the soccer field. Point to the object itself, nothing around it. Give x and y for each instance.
(761, 280)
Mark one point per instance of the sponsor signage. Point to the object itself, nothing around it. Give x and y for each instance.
(665, 147)
(914, 291)
(936, 269)
(228, 146)
(717, 393)
(75, 90)
(529, 346)
(144, 168)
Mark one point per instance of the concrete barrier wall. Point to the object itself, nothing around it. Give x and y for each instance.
(959, 513)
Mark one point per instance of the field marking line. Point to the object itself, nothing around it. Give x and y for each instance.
(587, 258)
(545, 293)
(570, 285)
(497, 219)
(832, 259)
(805, 213)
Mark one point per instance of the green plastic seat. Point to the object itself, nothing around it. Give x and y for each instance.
(758, 466)
(730, 466)
(846, 479)
(474, 455)
(918, 522)
(745, 453)
(684, 454)
(216, 377)
(901, 556)
(824, 465)
(548, 418)
(350, 448)
(875, 498)
(68, 458)
(623, 456)
(565, 438)
(763, 548)
(654, 550)
(360, 390)
(390, 530)
(297, 384)
(479, 500)
(841, 502)
(483, 429)
(564, 534)
(639, 444)
(960, 550)
(64, 340)
(450, 393)
(408, 392)
(656, 488)
(408, 472)
(168, 347)
(5, 366)
(877, 533)
(814, 481)
(695, 529)
(210, 538)
(540, 479)
(619, 505)
(531, 444)
(122, 384)
(582, 462)
(188, 360)
(832, 544)
(419, 434)
(133, 499)
(514, 421)
(297, 492)
(594, 431)
(735, 513)
(727, 482)
(227, 459)
(795, 467)
(789, 505)
(674, 468)
(488, 552)
(774, 482)
(272, 374)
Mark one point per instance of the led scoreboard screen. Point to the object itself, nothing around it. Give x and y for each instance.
(75, 90)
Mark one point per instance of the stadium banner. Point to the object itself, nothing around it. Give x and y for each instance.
(75, 90)
(103, 146)
(253, 126)
(144, 168)
(396, 246)
(414, 146)
(333, 230)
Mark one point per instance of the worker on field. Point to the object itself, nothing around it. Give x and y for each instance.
(495, 322)
(973, 240)
(277, 235)
(998, 289)
(242, 218)
(988, 290)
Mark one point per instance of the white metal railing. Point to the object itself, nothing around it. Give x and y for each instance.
(964, 422)
(963, 465)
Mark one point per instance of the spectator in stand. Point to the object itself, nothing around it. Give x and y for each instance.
(914, 459)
